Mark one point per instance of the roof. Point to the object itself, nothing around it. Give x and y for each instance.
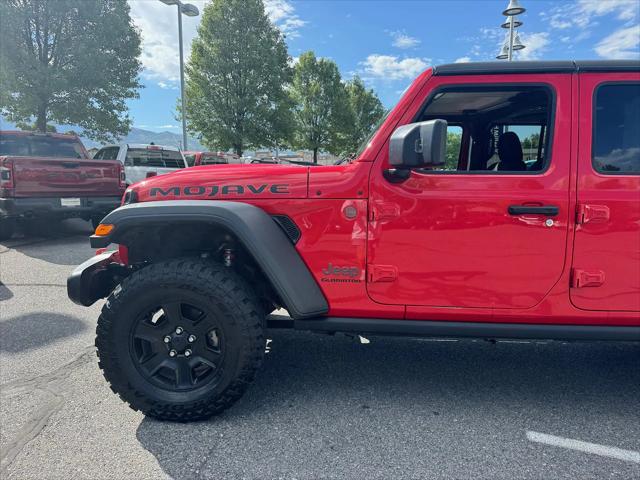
(557, 66)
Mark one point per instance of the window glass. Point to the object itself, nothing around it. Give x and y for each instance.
(454, 143)
(616, 133)
(191, 159)
(172, 159)
(148, 157)
(14, 145)
(212, 159)
(34, 146)
(110, 153)
(493, 129)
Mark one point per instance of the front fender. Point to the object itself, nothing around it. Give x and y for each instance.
(256, 230)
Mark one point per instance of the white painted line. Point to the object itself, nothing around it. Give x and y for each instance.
(593, 448)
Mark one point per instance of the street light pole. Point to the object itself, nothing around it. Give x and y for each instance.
(183, 104)
(190, 11)
(512, 42)
(508, 59)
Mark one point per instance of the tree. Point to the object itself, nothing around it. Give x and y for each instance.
(321, 109)
(69, 61)
(454, 141)
(236, 78)
(366, 110)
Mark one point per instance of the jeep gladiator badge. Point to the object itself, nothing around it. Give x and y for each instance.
(344, 274)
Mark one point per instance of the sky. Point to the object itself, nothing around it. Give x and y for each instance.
(389, 42)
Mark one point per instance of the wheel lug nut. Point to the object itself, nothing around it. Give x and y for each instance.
(192, 338)
(187, 353)
(172, 353)
(179, 330)
(167, 339)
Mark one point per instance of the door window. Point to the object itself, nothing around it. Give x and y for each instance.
(497, 130)
(107, 153)
(616, 132)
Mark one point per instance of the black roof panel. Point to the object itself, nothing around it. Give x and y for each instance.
(556, 66)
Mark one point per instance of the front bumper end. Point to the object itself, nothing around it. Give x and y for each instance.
(95, 278)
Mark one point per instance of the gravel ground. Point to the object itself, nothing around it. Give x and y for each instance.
(322, 406)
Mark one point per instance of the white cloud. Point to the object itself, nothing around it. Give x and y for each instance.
(282, 13)
(623, 43)
(584, 13)
(158, 25)
(390, 67)
(167, 86)
(463, 60)
(402, 40)
(535, 45)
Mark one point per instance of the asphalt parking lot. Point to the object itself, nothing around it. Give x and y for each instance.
(329, 407)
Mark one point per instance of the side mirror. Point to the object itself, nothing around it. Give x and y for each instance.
(418, 145)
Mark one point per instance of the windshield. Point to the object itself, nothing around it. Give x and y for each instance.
(371, 133)
(148, 157)
(28, 146)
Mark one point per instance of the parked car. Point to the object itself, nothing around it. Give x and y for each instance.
(143, 161)
(195, 158)
(44, 177)
(410, 238)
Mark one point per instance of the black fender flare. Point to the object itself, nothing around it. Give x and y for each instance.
(255, 229)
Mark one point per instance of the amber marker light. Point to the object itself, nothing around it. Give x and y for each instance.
(104, 229)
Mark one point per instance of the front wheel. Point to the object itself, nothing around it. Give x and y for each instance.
(181, 340)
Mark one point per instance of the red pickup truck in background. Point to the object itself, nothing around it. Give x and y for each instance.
(52, 176)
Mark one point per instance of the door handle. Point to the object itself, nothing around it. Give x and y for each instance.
(546, 210)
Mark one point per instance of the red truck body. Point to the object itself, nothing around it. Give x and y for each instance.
(52, 174)
(497, 200)
(442, 247)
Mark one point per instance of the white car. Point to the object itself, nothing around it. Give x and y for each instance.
(143, 161)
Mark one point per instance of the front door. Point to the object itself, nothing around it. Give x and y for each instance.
(606, 259)
(489, 230)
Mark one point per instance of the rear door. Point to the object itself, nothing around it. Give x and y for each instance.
(606, 260)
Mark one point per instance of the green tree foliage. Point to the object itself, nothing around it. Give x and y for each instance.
(236, 78)
(69, 61)
(454, 141)
(532, 141)
(321, 110)
(365, 111)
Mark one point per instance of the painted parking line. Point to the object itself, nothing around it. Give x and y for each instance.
(593, 448)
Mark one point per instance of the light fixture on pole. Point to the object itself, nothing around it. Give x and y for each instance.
(190, 11)
(504, 52)
(510, 20)
(512, 42)
(513, 8)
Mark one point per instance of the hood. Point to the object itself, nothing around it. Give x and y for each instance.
(226, 182)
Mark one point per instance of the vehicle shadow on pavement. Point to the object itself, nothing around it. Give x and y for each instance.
(5, 293)
(27, 332)
(397, 407)
(73, 234)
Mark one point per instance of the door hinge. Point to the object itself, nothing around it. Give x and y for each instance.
(382, 273)
(586, 213)
(586, 278)
(384, 211)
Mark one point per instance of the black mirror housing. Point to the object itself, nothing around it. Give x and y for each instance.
(419, 145)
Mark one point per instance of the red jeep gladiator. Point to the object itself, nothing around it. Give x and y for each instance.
(52, 176)
(496, 200)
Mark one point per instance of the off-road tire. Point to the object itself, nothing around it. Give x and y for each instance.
(215, 286)
(7, 228)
